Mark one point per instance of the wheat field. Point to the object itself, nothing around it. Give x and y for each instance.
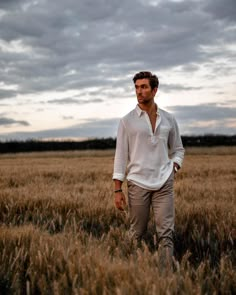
(61, 234)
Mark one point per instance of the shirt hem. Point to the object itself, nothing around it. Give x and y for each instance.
(153, 187)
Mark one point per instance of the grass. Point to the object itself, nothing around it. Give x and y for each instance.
(60, 232)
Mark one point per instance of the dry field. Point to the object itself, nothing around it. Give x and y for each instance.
(60, 233)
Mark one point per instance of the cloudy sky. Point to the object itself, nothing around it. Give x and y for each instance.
(66, 67)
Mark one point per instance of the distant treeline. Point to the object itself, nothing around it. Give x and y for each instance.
(32, 145)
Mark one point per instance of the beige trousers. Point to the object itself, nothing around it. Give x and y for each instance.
(162, 202)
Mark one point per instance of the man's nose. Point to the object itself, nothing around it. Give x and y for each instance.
(139, 91)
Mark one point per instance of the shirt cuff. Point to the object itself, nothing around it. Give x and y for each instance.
(178, 161)
(118, 176)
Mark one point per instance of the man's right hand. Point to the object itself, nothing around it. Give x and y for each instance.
(120, 201)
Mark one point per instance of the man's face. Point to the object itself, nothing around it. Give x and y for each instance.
(145, 94)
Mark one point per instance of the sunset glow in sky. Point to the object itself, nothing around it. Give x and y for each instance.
(67, 66)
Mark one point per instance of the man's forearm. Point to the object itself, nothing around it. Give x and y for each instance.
(118, 184)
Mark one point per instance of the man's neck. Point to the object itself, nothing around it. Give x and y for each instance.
(149, 108)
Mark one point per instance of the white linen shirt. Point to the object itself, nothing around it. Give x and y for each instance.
(148, 156)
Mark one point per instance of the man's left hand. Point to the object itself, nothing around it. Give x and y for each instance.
(176, 167)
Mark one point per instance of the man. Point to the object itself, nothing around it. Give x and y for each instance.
(150, 147)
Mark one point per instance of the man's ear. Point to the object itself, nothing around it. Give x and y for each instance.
(155, 90)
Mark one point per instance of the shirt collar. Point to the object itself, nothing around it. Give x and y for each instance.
(140, 111)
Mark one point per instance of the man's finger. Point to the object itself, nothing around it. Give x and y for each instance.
(119, 205)
(124, 202)
(121, 208)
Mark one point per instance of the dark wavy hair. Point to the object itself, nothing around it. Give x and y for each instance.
(153, 80)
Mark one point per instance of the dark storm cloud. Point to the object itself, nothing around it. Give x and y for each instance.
(204, 112)
(7, 93)
(188, 118)
(197, 119)
(96, 46)
(7, 4)
(94, 128)
(222, 9)
(8, 121)
(78, 44)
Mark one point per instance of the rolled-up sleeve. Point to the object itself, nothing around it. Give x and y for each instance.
(121, 155)
(176, 150)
